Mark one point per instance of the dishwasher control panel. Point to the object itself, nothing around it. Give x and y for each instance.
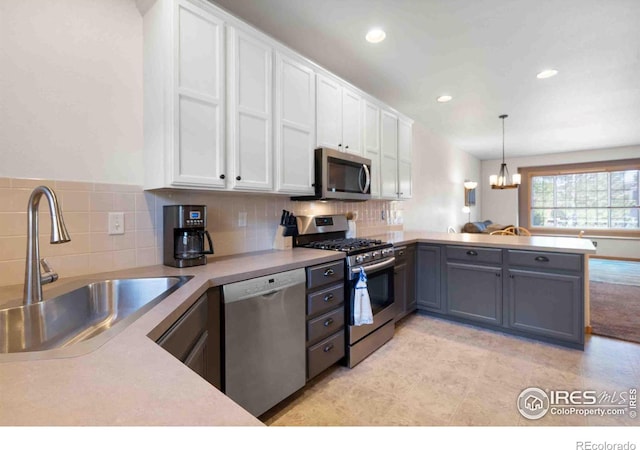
(265, 285)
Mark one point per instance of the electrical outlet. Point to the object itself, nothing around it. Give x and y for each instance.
(116, 223)
(595, 243)
(242, 219)
(382, 215)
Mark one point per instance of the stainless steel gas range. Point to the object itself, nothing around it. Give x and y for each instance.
(377, 260)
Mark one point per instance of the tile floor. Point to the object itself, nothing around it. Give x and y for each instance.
(436, 372)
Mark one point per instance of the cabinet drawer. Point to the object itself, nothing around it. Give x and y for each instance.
(324, 354)
(325, 325)
(325, 274)
(183, 335)
(545, 260)
(475, 254)
(326, 299)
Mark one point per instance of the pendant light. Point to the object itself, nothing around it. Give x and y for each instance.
(501, 180)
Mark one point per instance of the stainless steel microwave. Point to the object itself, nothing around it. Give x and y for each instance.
(340, 176)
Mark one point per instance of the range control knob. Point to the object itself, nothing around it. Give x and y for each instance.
(359, 259)
(375, 255)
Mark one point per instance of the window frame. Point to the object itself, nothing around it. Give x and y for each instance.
(524, 194)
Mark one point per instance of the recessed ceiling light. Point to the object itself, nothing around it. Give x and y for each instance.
(375, 35)
(547, 73)
(444, 99)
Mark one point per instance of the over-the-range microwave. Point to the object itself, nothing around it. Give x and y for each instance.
(340, 176)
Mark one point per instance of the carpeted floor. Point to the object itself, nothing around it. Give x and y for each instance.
(615, 310)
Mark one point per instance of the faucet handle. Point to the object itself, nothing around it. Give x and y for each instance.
(49, 275)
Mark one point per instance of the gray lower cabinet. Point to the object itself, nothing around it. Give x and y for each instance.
(428, 276)
(474, 292)
(546, 304)
(405, 281)
(525, 292)
(325, 341)
(195, 338)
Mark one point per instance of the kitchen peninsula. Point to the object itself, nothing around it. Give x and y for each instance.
(533, 286)
(132, 381)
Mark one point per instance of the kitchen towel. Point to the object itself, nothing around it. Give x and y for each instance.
(362, 314)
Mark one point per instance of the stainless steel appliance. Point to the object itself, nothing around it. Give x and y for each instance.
(264, 333)
(377, 260)
(340, 176)
(185, 234)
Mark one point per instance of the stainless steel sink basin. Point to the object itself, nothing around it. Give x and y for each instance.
(97, 309)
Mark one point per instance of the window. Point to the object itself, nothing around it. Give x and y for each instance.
(598, 197)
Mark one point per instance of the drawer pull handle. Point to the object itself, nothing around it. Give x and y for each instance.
(328, 348)
(328, 272)
(497, 274)
(472, 253)
(328, 322)
(328, 298)
(542, 259)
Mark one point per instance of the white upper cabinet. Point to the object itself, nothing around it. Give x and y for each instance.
(404, 158)
(371, 126)
(389, 156)
(184, 90)
(351, 122)
(250, 66)
(227, 107)
(295, 101)
(329, 112)
(339, 116)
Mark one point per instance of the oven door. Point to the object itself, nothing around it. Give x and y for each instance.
(380, 287)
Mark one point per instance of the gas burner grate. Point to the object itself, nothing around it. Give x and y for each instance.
(344, 245)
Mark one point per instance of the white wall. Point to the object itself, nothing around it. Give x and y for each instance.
(502, 206)
(439, 171)
(71, 90)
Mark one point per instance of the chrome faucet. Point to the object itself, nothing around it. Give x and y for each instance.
(33, 279)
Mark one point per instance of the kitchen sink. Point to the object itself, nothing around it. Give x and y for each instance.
(97, 310)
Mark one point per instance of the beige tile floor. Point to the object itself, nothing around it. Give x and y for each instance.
(436, 372)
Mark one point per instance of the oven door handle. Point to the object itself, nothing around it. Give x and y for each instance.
(387, 263)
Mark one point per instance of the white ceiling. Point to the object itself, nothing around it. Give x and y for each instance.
(486, 54)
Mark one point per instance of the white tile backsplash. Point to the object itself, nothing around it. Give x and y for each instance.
(85, 208)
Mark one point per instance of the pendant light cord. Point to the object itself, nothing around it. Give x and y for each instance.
(503, 116)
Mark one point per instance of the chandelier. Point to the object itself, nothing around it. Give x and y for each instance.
(501, 180)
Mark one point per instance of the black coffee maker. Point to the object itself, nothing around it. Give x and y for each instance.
(184, 235)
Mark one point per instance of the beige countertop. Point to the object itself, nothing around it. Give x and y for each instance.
(537, 243)
(130, 380)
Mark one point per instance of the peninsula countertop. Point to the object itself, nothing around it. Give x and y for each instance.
(130, 380)
(535, 243)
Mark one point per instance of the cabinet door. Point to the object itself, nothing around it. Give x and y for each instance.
(329, 113)
(404, 158)
(475, 292)
(250, 111)
(411, 278)
(404, 179)
(295, 126)
(371, 119)
(400, 289)
(428, 278)
(198, 121)
(389, 156)
(351, 122)
(547, 304)
(404, 281)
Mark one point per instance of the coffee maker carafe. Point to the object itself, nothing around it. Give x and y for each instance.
(185, 234)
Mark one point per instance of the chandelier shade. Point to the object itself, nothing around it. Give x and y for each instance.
(503, 180)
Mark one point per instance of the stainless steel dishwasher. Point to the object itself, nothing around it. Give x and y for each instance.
(264, 331)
